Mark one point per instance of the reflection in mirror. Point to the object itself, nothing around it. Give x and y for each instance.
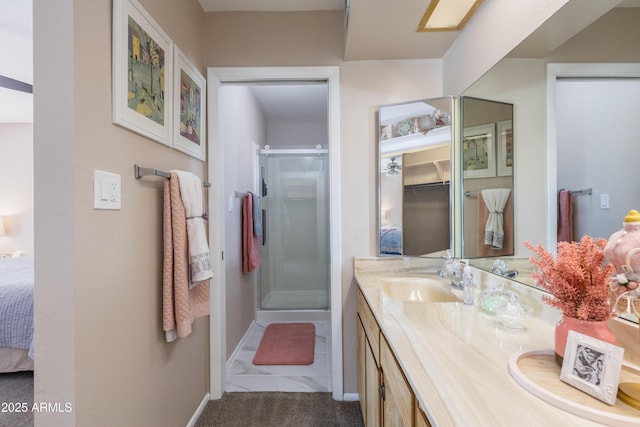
(487, 164)
(414, 146)
(521, 78)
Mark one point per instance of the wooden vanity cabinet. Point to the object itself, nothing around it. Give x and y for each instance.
(386, 399)
(368, 364)
(397, 398)
(421, 419)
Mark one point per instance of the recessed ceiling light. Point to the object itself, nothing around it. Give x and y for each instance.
(448, 15)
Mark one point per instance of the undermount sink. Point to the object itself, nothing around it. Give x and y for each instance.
(417, 289)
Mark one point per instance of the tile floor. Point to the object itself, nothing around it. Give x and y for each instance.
(243, 375)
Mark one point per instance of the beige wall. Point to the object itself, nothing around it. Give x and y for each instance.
(246, 39)
(16, 186)
(99, 342)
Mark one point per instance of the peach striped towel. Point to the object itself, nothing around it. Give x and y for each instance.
(180, 305)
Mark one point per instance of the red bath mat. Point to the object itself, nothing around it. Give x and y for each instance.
(287, 344)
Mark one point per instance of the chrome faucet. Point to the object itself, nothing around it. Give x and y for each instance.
(501, 268)
(452, 270)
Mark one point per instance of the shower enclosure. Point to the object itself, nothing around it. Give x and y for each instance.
(294, 190)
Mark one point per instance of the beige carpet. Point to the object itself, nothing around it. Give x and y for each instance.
(278, 409)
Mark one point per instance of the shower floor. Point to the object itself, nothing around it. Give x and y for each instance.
(243, 375)
(299, 300)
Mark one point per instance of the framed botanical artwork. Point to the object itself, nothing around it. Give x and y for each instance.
(479, 160)
(189, 126)
(505, 148)
(593, 366)
(142, 73)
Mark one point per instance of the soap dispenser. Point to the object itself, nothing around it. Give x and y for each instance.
(467, 285)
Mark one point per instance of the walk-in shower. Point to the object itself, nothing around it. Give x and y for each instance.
(294, 190)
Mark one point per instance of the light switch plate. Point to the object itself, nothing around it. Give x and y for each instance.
(107, 190)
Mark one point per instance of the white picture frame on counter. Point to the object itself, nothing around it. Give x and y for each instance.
(593, 366)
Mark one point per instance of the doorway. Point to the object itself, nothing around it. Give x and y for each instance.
(602, 197)
(217, 78)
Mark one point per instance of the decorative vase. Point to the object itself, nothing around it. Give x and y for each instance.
(596, 329)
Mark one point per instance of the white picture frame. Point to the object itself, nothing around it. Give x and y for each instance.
(478, 151)
(189, 120)
(142, 73)
(593, 366)
(505, 147)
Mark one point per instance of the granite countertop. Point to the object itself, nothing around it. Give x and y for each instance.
(456, 357)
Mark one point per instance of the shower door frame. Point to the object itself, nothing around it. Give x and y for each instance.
(216, 77)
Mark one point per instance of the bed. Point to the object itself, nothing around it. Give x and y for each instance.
(390, 240)
(16, 314)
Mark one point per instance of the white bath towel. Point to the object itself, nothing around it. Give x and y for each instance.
(495, 199)
(200, 268)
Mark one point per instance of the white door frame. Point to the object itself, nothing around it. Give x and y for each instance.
(217, 77)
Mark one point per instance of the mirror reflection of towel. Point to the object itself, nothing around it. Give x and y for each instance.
(483, 250)
(495, 200)
(565, 221)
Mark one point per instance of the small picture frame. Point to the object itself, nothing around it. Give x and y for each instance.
(593, 366)
(479, 159)
(190, 96)
(142, 73)
(505, 148)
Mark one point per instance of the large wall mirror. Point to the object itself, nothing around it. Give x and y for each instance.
(525, 79)
(414, 164)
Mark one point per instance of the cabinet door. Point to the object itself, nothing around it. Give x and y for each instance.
(372, 385)
(421, 418)
(361, 370)
(398, 399)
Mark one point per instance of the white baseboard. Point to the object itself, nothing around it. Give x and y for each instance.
(239, 346)
(199, 409)
(351, 397)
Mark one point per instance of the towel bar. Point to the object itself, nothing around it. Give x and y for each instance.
(140, 172)
(587, 191)
(240, 195)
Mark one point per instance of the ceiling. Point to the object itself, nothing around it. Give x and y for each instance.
(299, 101)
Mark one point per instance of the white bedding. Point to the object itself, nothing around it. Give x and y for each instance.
(16, 313)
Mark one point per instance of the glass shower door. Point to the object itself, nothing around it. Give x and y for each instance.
(294, 273)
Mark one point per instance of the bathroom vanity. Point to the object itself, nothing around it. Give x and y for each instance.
(424, 358)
